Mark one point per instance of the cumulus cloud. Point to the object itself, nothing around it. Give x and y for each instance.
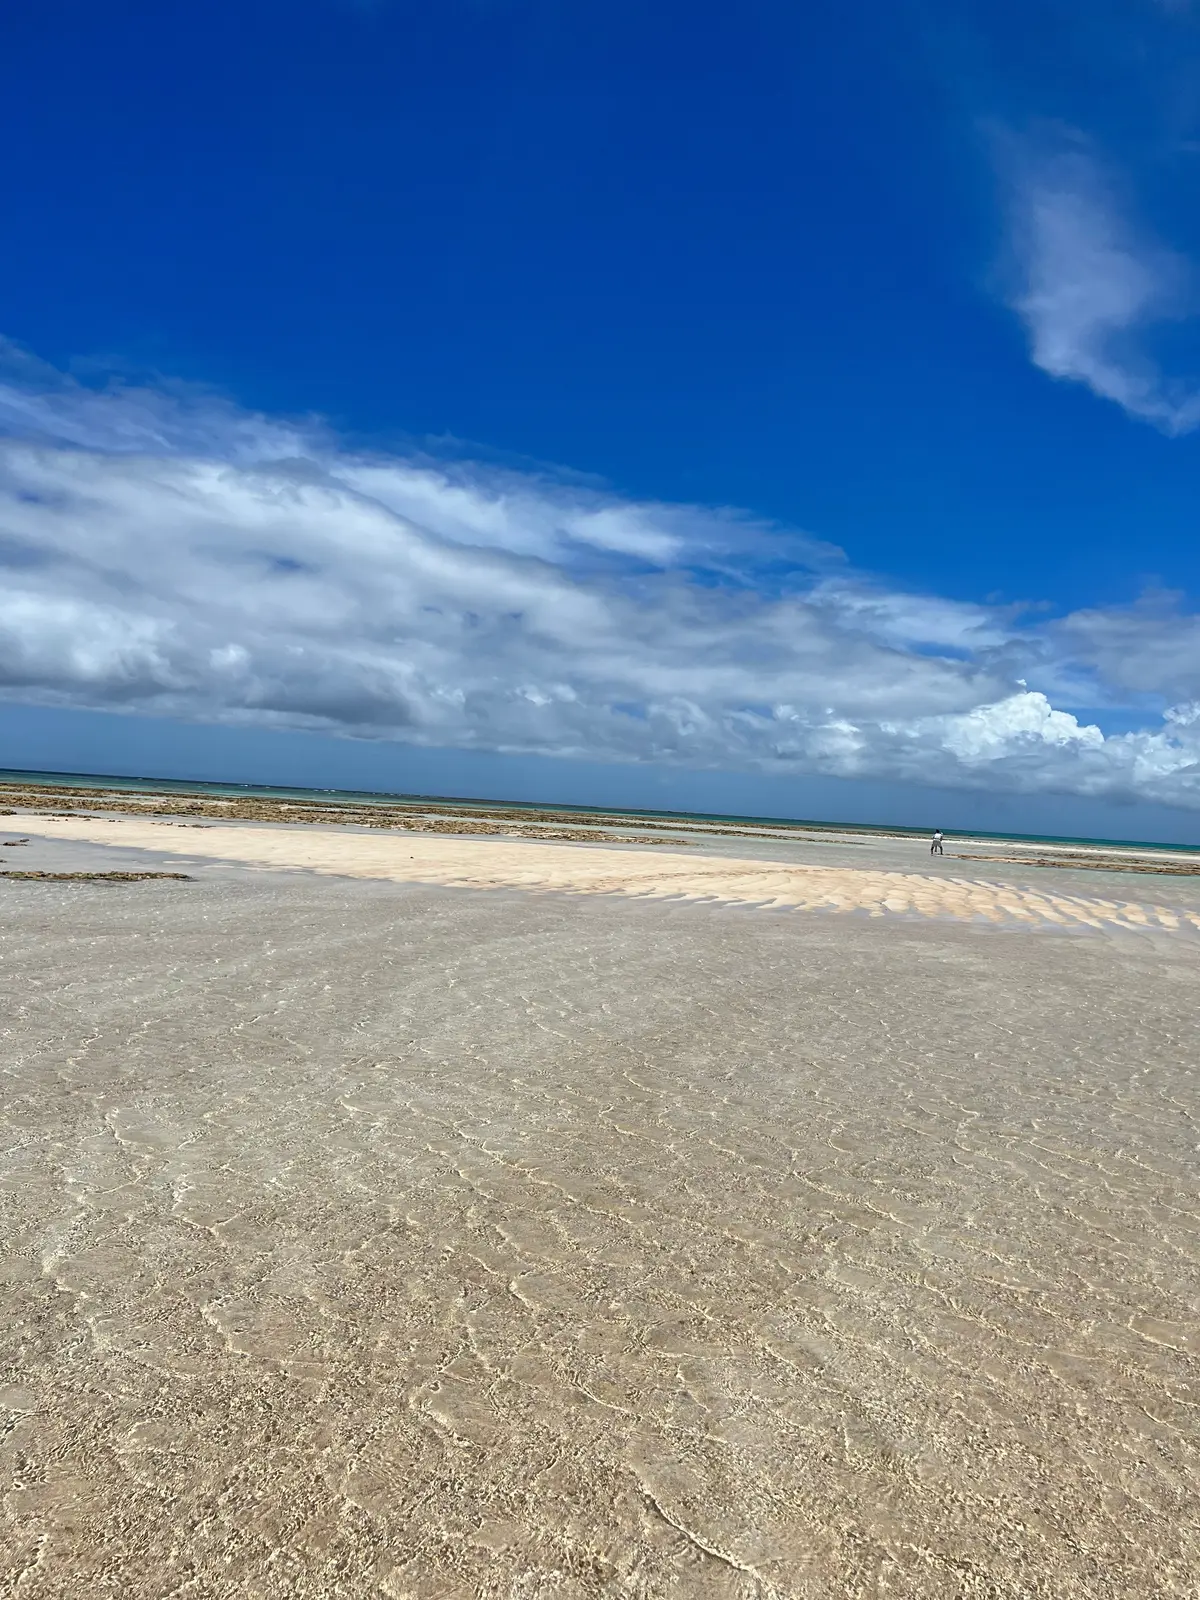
(1092, 286)
(165, 552)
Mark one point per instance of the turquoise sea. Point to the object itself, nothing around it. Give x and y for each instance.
(92, 780)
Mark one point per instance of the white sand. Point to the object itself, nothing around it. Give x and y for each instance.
(436, 859)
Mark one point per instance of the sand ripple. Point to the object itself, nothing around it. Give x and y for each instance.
(650, 874)
(366, 1244)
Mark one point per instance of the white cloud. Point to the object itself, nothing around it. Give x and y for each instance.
(1092, 286)
(167, 553)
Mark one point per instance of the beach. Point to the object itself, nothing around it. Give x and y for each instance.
(415, 1215)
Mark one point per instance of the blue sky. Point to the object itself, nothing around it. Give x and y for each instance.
(781, 407)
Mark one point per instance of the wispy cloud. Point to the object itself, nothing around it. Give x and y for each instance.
(1092, 285)
(166, 552)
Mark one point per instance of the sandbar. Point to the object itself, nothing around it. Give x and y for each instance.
(658, 873)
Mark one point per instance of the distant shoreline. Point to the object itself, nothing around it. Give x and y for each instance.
(16, 777)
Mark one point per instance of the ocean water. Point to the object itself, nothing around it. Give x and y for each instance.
(184, 786)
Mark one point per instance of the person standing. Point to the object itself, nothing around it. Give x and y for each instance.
(935, 849)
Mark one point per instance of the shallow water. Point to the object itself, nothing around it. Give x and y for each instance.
(380, 1240)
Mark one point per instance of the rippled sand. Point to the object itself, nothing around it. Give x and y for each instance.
(656, 874)
(372, 1238)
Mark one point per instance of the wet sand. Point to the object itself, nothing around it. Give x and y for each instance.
(380, 1232)
(805, 878)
